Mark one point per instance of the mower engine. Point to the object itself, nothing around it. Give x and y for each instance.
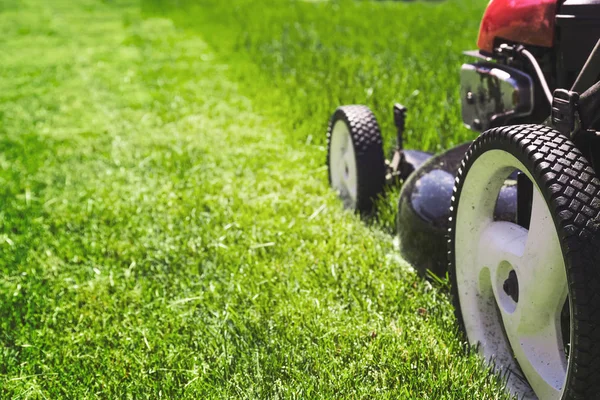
(493, 95)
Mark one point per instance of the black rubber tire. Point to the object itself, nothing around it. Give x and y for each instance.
(368, 149)
(570, 188)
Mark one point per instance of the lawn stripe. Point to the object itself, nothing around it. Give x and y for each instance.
(167, 242)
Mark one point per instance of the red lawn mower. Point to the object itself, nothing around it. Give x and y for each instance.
(514, 216)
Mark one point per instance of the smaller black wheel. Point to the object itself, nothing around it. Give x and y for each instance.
(355, 157)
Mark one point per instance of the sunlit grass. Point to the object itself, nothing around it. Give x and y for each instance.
(166, 229)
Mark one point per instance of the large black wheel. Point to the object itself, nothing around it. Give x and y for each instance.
(530, 298)
(355, 157)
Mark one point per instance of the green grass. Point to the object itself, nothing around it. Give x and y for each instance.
(302, 59)
(166, 229)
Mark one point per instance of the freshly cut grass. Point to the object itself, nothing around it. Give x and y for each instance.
(164, 234)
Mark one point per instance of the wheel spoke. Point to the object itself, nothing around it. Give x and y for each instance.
(344, 155)
(534, 329)
(347, 141)
(350, 164)
(533, 323)
(342, 169)
(501, 241)
(343, 164)
(540, 356)
(541, 272)
(336, 163)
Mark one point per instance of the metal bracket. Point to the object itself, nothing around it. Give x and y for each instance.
(393, 173)
(400, 122)
(393, 166)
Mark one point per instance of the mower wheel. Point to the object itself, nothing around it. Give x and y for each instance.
(529, 298)
(355, 157)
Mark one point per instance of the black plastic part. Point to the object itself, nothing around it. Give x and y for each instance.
(585, 7)
(524, 200)
(424, 208)
(589, 107)
(577, 32)
(564, 110)
(411, 161)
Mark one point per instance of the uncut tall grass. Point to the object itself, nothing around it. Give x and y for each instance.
(302, 59)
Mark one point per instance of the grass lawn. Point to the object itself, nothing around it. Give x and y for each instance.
(166, 227)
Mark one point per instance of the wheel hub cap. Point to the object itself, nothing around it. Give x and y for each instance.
(342, 164)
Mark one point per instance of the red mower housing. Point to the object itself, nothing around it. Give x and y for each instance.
(530, 22)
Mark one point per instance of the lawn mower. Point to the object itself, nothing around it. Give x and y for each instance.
(513, 217)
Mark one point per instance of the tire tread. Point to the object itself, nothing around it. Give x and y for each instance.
(571, 189)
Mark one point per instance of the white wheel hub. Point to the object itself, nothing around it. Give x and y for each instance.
(511, 282)
(342, 164)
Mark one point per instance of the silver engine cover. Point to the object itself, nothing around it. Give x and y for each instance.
(492, 91)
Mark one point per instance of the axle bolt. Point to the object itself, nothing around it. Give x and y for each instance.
(470, 98)
(511, 286)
